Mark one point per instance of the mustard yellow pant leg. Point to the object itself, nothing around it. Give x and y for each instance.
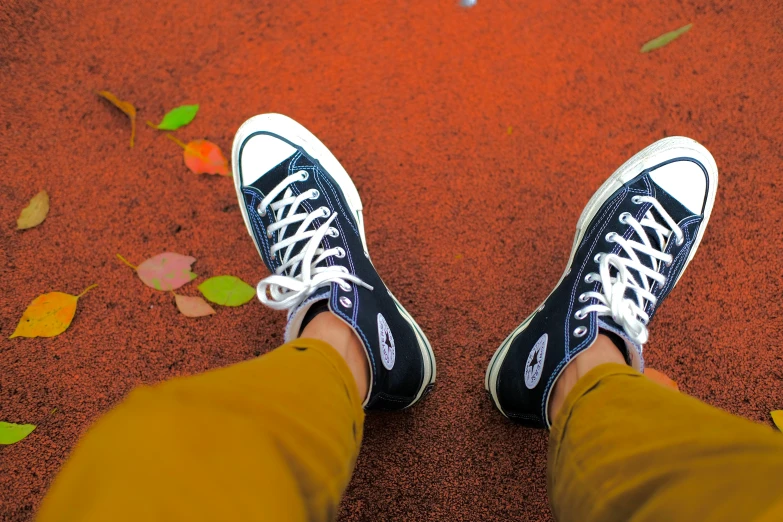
(624, 448)
(272, 439)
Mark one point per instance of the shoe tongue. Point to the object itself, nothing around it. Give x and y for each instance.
(296, 315)
(289, 167)
(632, 352)
(677, 211)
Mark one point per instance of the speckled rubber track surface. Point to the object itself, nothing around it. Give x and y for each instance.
(469, 225)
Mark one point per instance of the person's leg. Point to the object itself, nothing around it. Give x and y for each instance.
(625, 448)
(273, 439)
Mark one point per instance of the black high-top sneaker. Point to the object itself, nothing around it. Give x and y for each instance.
(633, 241)
(305, 217)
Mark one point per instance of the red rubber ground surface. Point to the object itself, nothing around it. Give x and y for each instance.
(469, 225)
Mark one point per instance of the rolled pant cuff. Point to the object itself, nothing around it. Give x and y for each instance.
(584, 385)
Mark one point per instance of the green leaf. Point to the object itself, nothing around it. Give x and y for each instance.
(178, 117)
(665, 39)
(227, 290)
(13, 433)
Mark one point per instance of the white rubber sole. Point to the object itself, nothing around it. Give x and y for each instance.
(655, 154)
(299, 136)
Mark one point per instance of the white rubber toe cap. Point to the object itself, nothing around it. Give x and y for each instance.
(685, 181)
(262, 153)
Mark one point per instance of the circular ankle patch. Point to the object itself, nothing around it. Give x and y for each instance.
(535, 362)
(386, 342)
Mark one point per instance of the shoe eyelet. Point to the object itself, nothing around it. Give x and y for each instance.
(589, 278)
(314, 194)
(305, 175)
(325, 212)
(637, 200)
(624, 217)
(580, 331)
(261, 211)
(333, 232)
(583, 298)
(611, 236)
(597, 258)
(345, 302)
(340, 252)
(680, 241)
(346, 288)
(268, 234)
(272, 256)
(578, 315)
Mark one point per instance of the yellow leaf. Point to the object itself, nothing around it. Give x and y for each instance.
(35, 212)
(665, 39)
(777, 418)
(48, 315)
(125, 107)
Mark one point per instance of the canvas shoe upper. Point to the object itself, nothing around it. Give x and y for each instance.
(633, 242)
(305, 217)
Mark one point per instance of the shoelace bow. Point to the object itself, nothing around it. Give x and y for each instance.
(299, 276)
(612, 301)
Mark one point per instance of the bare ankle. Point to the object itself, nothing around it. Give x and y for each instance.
(602, 351)
(332, 330)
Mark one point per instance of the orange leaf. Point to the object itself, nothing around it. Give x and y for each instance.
(660, 378)
(203, 157)
(125, 107)
(48, 315)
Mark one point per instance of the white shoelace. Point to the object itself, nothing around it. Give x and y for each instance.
(627, 312)
(299, 276)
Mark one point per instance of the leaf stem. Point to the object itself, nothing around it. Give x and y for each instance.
(175, 140)
(127, 262)
(86, 290)
(150, 124)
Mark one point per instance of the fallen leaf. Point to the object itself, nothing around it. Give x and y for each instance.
(458, 256)
(227, 290)
(660, 378)
(665, 39)
(777, 418)
(176, 118)
(193, 306)
(125, 107)
(167, 271)
(12, 433)
(35, 212)
(203, 157)
(48, 315)
(509, 130)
